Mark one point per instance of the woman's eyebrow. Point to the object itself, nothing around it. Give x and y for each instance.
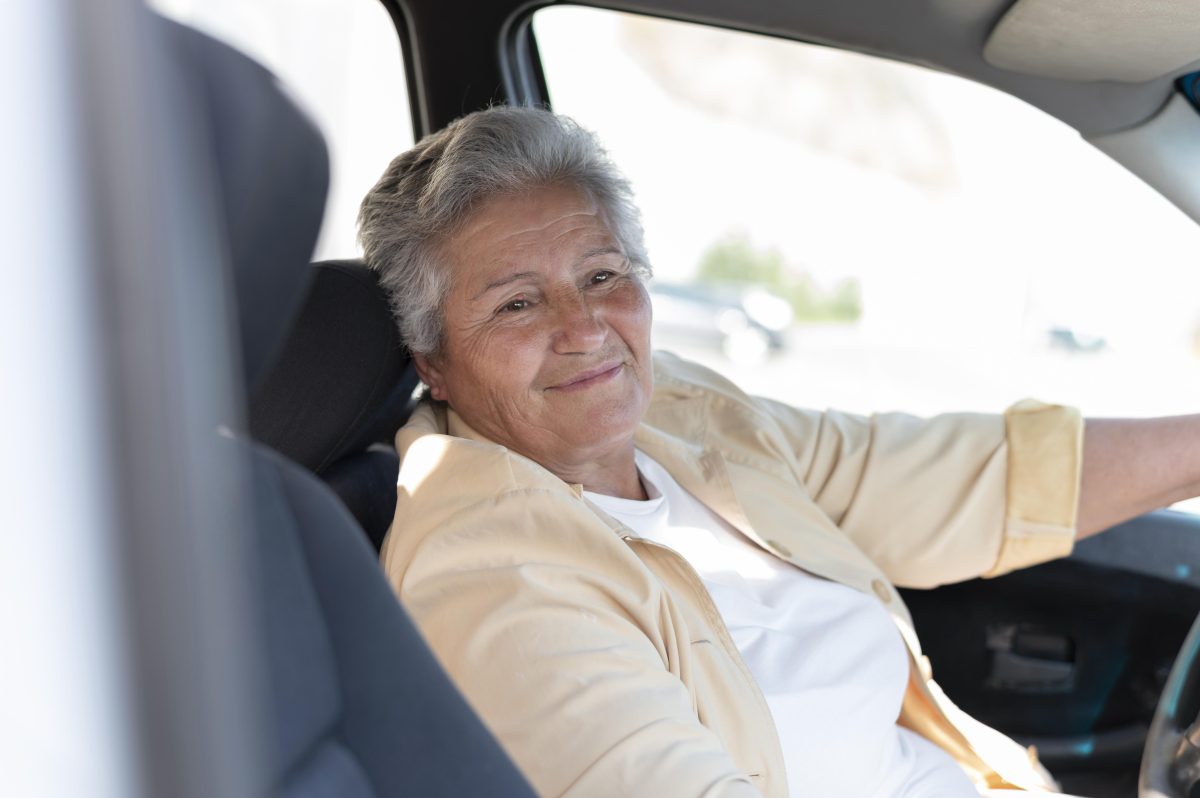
(503, 281)
(605, 250)
(518, 276)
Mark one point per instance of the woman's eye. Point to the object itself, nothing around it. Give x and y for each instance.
(515, 306)
(603, 276)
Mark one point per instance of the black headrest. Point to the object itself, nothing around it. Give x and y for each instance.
(343, 379)
(273, 175)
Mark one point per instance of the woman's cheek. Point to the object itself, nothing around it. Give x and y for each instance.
(518, 345)
(636, 304)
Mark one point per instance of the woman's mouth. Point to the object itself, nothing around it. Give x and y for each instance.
(590, 378)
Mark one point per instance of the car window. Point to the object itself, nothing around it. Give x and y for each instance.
(837, 230)
(342, 60)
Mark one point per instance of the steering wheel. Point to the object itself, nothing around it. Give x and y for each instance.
(1171, 762)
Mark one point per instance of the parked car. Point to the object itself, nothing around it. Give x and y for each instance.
(134, 558)
(1074, 341)
(746, 324)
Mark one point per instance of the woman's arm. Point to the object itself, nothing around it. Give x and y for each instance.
(944, 499)
(1132, 466)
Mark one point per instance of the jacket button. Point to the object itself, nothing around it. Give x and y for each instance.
(783, 550)
(882, 590)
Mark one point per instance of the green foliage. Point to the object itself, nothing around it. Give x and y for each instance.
(734, 259)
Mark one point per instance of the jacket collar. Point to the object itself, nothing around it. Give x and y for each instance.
(701, 470)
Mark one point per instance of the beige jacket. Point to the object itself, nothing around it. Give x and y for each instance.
(599, 660)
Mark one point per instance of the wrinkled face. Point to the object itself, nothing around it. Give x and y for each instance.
(546, 346)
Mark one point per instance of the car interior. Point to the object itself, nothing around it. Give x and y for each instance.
(336, 693)
(358, 705)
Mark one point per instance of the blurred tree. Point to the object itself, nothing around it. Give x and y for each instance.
(735, 260)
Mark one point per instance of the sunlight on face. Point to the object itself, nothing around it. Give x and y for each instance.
(547, 330)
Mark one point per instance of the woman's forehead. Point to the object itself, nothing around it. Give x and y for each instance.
(538, 211)
(547, 224)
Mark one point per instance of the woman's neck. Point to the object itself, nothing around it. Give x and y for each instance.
(608, 468)
(614, 475)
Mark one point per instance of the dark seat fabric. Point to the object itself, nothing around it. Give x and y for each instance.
(342, 379)
(339, 389)
(366, 484)
(356, 704)
(364, 709)
(271, 183)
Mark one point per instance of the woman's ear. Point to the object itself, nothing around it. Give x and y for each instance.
(431, 375)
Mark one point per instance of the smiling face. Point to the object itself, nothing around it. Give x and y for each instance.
(546, 343)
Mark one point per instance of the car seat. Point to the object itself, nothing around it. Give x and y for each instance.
(338, 390)
(356, 704)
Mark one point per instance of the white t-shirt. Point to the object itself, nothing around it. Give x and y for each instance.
(828, 659)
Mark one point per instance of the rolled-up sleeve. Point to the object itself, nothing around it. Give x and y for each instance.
(948, 498)
(1045, 460)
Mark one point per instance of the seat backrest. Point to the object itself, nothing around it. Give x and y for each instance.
(342, 379)
(357, 705)
(340, 387)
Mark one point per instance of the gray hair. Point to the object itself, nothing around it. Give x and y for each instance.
(427, 193)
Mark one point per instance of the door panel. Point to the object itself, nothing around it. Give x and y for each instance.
(1071, 655)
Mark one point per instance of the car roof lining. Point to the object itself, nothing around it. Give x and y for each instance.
(948, 35)
(1165, 152)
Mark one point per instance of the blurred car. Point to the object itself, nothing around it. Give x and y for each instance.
(746, 323)
(1074, 341)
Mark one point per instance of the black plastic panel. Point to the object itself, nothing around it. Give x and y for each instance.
(1071, 655)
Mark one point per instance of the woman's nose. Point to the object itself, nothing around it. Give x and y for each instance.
(578, 327)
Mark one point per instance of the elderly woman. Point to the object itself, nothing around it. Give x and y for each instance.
(649, 583)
